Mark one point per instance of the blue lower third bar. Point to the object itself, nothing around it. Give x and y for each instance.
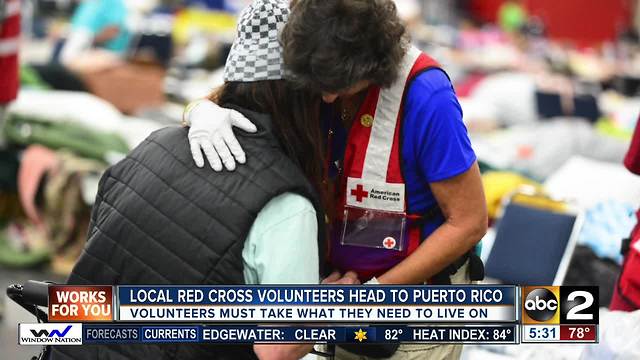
(248, 334)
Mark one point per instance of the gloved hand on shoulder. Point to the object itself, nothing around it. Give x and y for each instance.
(211, 132)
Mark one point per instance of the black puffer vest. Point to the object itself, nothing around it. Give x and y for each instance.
(158, 219)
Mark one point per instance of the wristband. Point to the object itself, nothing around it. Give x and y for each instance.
(187, 110)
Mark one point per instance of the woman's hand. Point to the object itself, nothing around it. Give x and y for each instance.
(211, 132)
(336, 278)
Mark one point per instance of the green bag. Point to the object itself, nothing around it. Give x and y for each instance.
(79, 139)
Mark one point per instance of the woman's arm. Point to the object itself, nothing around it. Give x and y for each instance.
(282, 248)
(78, 42)
(462, 202)
(106, 34)
(282, 245)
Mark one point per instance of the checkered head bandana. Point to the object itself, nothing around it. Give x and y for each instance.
(256, 53)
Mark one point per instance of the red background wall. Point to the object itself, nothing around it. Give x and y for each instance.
(586, 22)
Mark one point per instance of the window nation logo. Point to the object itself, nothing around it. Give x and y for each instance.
(50, 334)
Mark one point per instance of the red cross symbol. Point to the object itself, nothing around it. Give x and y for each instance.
(359, 193)
(389, 242)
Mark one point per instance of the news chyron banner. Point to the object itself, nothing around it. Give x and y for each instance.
(278, 314)
(323, 314)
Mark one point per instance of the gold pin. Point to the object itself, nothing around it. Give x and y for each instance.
(366, 120)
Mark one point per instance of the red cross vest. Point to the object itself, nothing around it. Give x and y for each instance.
(9, 44)
(372, 231)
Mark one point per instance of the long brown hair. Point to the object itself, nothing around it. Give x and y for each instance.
(295, 115)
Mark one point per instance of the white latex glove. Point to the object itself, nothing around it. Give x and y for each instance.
(211, 132)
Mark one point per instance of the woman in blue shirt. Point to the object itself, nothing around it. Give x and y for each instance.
(100, 24)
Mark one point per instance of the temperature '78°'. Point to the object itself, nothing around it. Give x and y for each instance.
(579, 332)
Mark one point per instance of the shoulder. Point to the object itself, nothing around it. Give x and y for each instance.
(428, 83)
(168, 132)
(430, 95)
(84, 13)
(167, 138)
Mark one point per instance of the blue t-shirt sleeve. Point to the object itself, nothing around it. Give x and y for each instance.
(434, 130)
(87, 16)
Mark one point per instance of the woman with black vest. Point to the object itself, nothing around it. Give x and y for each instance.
(159, 219)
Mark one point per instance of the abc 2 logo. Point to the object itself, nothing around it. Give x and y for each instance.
(552, 305)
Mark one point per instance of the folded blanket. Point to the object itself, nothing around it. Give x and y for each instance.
(74, 137)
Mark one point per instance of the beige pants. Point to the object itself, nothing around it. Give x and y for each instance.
(420, 351)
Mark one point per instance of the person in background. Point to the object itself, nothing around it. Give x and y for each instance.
(626, 295)
(98, 28)
(512, 15)
(9, 46)
(398, 152)
(159, 219)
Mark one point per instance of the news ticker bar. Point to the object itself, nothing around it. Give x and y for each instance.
(84, 334)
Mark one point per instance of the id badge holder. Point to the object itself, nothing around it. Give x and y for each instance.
(374, 229)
